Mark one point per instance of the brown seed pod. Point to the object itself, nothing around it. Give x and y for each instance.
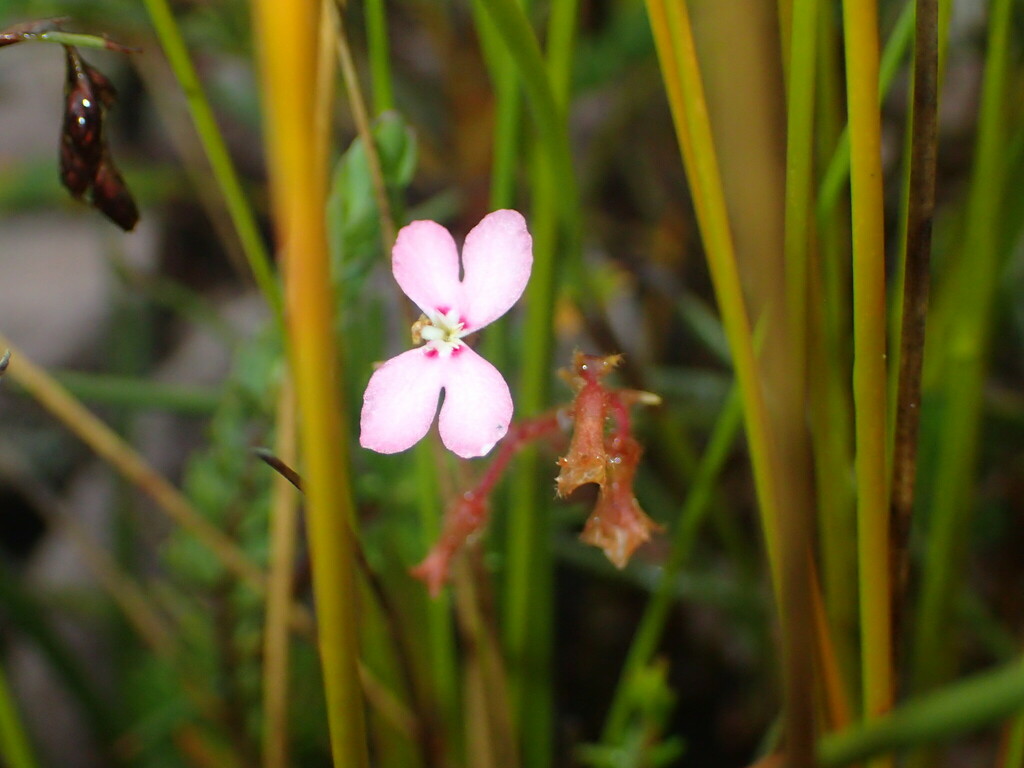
(85, 162)
(81, 141)
(110, 195)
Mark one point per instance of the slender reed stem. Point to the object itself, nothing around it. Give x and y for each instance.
(838, 170)
(869, 338)
(287, 34)
(512, 25)
(531, 582)
(440, 630)
(916, 278)
(831, 407)
(796, 606)
(674, 42)
(965, 365)
(799, 157)
(283, 536)
(677, 55)
(693, 514)
(490, 732)
(897, 289)
(380, 55)
(210, 136)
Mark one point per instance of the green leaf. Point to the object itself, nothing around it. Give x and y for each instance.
(353, 223)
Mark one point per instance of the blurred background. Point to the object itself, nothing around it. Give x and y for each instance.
(162, 333)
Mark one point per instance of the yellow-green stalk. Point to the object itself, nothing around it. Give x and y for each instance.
(869, 371)
(288, 35)
(283, 535)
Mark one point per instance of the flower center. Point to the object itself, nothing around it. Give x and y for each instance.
(442, 331)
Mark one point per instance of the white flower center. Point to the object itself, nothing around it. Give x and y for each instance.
(442, 332)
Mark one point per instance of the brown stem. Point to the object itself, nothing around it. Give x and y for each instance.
(920, 213)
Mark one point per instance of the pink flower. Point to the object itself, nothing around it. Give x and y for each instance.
(401, 398)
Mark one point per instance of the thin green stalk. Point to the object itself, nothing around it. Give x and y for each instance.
(831, 408)
(15, 747)
(694, 512)
(531, 595)
(507, 141)
(78, 40)
(799, 177)
(796, 500)
(380, 55)
(514, 28)
(508, 112)
(440, 631)
(289, 38)
(869, 339)
(965, 366)
(916, 278)
(216, 151)
(964, 706)
(490, 730)
(528, 583)
(896, 49)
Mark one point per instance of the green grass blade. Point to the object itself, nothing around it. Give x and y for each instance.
(693, 514)
(967, 349)
(212, 140)
(380, 55)
(957, 709)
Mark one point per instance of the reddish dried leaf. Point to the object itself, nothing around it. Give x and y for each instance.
(463, 518)
(618, 525)
(585, 462)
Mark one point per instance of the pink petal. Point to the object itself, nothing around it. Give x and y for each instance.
(426, 265)
(496, 262)
(477, 404)
(400, 401)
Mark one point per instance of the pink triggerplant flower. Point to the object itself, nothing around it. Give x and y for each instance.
(401, 398)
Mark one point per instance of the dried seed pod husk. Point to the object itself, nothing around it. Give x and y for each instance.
(111, 196)
(81, 140)
(618, 525)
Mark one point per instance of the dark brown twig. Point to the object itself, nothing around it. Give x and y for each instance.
(920, 213)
